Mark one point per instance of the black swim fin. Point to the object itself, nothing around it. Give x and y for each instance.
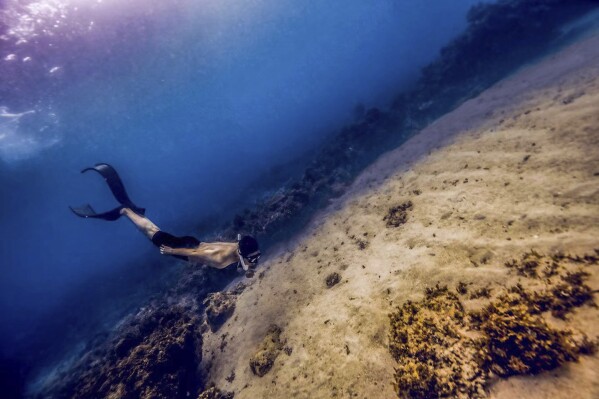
(117, 188)
(86, 211)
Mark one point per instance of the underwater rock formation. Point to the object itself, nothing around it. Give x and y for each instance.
(501, 36)
(269, 349)
(155, 355)
(332, 279)
(215, 393)
(219, 307)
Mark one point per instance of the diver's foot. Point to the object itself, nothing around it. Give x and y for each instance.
(125, 210)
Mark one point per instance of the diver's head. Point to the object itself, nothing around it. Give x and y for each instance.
(248, 251)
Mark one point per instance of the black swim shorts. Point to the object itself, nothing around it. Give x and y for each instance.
(163, 238)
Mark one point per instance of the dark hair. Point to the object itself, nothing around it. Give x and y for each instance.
(248, 245)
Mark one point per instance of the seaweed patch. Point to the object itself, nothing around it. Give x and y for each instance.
(442, 350)
(462, 288)
(434, 358)
(484, 292)
(527, 266)
(516, 341)
(567, 288)
(398, 215)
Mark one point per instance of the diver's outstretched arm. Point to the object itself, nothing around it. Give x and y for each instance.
(166, 250)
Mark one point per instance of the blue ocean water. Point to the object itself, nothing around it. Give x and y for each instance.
(190, 101)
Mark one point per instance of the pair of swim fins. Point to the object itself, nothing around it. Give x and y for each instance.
(117, 187)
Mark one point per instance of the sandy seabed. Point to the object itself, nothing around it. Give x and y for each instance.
(514, 169)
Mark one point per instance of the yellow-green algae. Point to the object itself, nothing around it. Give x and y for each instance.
(442, 350)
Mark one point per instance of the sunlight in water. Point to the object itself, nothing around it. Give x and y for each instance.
(47, 44)
(24, 134)
(29, 19)
(26, 21)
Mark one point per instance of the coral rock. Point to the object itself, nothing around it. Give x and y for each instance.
(215, 393)
(264, 358)
(332, 279)
(155, 355)
(219, 307)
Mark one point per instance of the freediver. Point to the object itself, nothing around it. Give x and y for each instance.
(245, 252)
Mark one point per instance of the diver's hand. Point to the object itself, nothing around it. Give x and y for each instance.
(164, 250)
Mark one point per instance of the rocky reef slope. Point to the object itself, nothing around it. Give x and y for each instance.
(462, 264)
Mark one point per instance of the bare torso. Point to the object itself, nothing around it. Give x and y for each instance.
(214, 254)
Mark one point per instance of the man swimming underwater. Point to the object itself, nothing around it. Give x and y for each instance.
(245, 252)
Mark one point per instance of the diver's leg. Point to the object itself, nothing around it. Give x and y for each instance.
(149, 229)
(144, 224)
